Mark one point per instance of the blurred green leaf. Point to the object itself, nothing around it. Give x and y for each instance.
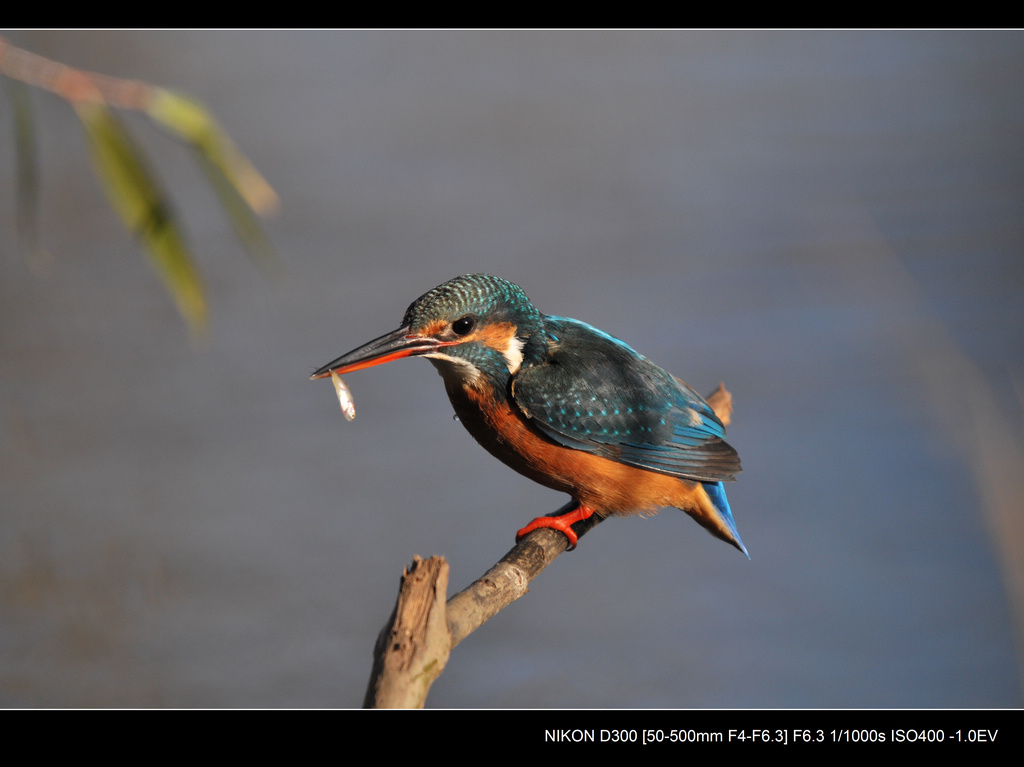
(240, 187)
(245, 222)
(194, 124)
(27, 202)
(135, 195)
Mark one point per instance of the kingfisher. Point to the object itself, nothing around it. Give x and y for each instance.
(565, 404)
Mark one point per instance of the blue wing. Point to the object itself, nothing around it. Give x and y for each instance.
(595, 393)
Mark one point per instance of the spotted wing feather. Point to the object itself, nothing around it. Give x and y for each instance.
(595, 393)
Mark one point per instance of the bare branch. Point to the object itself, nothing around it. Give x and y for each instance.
(413, 648)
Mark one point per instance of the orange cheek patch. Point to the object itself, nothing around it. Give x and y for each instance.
(497, 336)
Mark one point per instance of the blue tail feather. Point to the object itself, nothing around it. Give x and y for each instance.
(716, 492)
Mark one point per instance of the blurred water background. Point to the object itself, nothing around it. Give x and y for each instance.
(829, 222)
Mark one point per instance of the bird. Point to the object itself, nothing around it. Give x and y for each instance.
(565, 404)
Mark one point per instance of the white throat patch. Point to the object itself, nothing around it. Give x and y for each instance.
(461, 370)
(514, 354)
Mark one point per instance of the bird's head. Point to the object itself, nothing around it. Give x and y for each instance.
(472, 326)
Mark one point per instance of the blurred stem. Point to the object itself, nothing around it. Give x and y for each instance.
(131, 187)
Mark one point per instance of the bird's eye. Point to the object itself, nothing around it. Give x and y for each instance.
(463, 325)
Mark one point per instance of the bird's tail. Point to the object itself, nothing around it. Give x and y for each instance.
(722, 525)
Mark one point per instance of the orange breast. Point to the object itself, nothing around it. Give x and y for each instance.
(604, 485)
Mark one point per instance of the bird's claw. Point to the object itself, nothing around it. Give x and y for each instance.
(553, 523)
(562, 523)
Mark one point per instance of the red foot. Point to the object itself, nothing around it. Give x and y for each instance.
(562, 523)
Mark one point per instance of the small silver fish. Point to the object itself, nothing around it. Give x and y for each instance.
(348, 407)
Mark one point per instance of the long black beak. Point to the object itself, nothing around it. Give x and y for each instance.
(395, 345)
